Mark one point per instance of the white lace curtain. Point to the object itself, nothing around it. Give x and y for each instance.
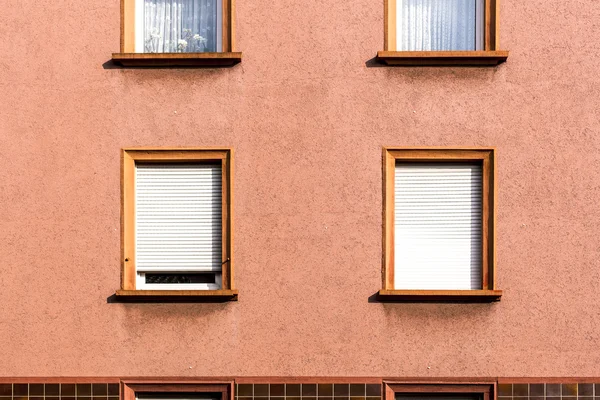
(439, 25)
(182, 26)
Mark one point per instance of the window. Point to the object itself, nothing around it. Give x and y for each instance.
(440, 32)
(482, 390)
(168, 390)
(177, 223)
(439, 224)
(177, 32)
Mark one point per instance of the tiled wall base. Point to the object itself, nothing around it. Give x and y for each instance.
(549, 391)
(59, 391)
(295, 391)
(308, 391)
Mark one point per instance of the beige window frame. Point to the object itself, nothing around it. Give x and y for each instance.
(149, 155)
(484, 156)
(490, 55)
(129, 58)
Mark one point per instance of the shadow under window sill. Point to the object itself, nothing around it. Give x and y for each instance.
(170, 60)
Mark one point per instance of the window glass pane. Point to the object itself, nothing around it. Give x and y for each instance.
(182, 26)
(439, 25)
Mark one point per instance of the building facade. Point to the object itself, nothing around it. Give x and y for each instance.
(304, 117)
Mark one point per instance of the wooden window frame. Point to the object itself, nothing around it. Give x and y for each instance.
(486, 388)
(129, 58)
(128, 270)
(491, 54)
(485, 156)
(129, 389)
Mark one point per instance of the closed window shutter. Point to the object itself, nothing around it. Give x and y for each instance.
(437, 238)
(178, 218)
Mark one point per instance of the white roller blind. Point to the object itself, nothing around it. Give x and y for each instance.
(438, 226)
(178, 217)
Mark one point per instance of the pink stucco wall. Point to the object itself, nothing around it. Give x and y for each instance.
(307, 117)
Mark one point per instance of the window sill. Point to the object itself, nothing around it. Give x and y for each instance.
(225, 59)
(456, 296)
(442, 58)
(215, 296)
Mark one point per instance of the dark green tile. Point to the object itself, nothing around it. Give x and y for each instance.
(277, 390)
(52, 390)
(6, 389)
(113, 389)
(521, 390)
(585, 389)
(244, 389)
(84, 389)
(569, 389)
(505, 389)
(36, 389)
(99, 389)
(67, 389)
(21, 389)
(341, 389)
(357, 390)
(552, 389)
(309, 390)
(325, 389)
(374, 390)
(536, 389)
(261, 390)
(292, 389)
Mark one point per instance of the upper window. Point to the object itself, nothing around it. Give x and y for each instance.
(177, 32)
(441, 32)
(177, 222)
(442, 25)
(439, 223)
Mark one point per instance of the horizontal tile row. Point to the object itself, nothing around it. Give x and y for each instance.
(307, 391)
(554, 391)
(98, 391)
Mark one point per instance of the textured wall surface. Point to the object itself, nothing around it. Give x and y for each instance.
(307, 113)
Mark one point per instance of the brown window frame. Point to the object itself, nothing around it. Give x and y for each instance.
(129, 157)
(490, 55)
(129, 58)
(130, 388)
(486, 157)
(486, 388)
